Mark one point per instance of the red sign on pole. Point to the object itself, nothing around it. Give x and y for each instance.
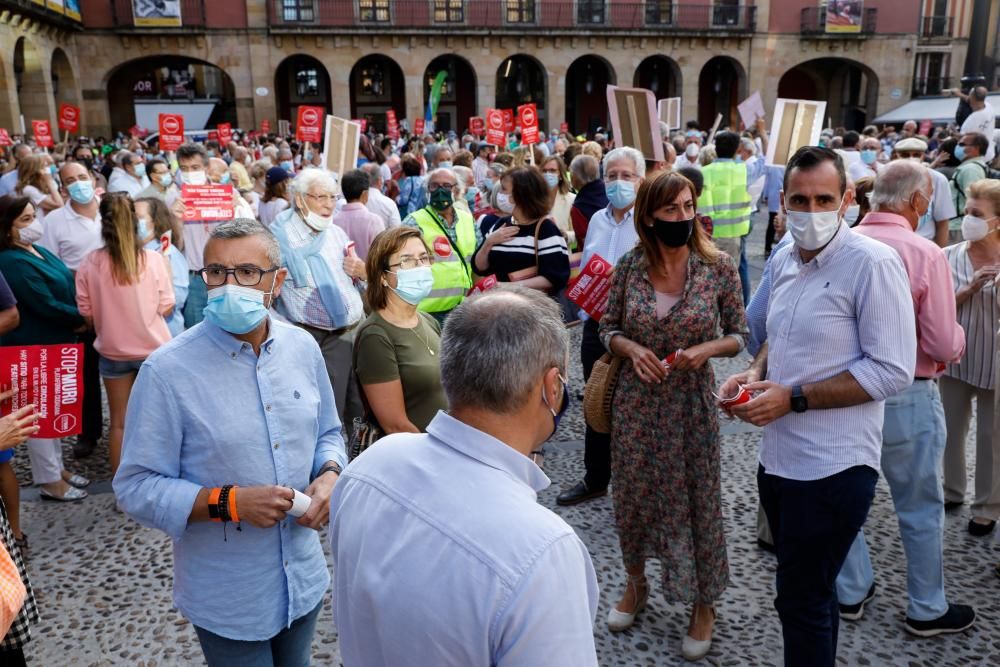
(207, 202)
(925, 127)
(564, 126)
(528, 116)
(591, 289)
(43, 133)
(5, 138)
(265, 126)
(309, 124)
(171, 131)
(225, 132)
(495, 133)
(418, 126)
(69, 117)
(213, 135)
(477, 126)
(392, 123)
(508, 119)
(51, 378)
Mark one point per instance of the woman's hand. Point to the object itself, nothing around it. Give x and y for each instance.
(647, 365)
(502, 235)
(983, 276)
(18, 426)
(692, 358)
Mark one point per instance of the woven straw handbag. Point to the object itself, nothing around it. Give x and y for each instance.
(599, 391)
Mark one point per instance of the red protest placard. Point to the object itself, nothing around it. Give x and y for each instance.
(392, 123)
(495, 133)
(590, 291)
(51, 378)
(225, 132)
(171, 131)
(564, 126)
(43, 133)
(528, 115)
(309, 124)
(265, 126)
(508, 119)
(484, 284)
(213, 135)
(5, 138)
(69, 117)
(925, 127)
(363, 122)
(207, 202)
(477, 126)
(418, 126)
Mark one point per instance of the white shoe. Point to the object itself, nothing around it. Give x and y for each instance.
(695, 649)
(620, 620)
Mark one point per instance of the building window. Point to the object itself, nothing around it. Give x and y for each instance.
(726, 13)
(294, 11)
(659, 12)
(307, 83)
(931, 73)
(372, 81)
(449, 11)
(520, 11)
(590, 11)
(373, 11)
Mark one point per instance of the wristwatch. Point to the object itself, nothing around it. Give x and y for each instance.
(329, 466)
(799, 402)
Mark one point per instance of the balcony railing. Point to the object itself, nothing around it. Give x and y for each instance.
(510, 15)
(930, 85)
(813, 22)
(192, 14)
(936, 26)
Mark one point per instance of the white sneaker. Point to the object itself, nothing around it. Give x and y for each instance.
(621, 620)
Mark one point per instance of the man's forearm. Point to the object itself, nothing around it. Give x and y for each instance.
(759, 363)
(840, 391)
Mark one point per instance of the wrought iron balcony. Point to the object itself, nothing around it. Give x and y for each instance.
(813, 22)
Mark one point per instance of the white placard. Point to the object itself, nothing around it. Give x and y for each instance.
(796, 123)
(751, 109)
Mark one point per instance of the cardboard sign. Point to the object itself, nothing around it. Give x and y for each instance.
(528, 115)
(225, 132)
(418, 126)
(564, 126)
(477, 126)
(634, 120)
(495, 133)
(284, 128)
(43, 133)
(207, 202)
(265, 126)
(508, 119)
(309, 124)
(796, 123)
(50, 377)
(340, 147)
(591, 289)
(69, 117)
(484, 285)
(669, 110)
(171, 131)
(5, 138)
(751, 109)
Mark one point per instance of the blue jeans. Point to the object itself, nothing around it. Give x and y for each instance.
(814, 523)
(744, 270)
(292, 647)
(913, 440)
(194, 307)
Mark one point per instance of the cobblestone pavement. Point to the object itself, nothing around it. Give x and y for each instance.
(103, 582)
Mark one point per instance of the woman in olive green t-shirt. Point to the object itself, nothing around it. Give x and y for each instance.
(399, 347)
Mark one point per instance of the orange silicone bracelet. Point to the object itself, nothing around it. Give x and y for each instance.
(233, 516)
(213, 499)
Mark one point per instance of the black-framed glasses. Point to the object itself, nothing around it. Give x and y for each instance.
(413, 262)
(434, 187)
(216, 275)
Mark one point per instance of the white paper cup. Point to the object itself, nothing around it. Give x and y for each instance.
(300, 504)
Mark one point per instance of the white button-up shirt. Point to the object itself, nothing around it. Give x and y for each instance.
(442, 556)
(71, 236)
(383, 207)
(609, 238)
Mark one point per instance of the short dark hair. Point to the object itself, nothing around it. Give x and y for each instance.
(810, 157)
(154, 162)
(353, 184)
(529, 191)
(851, 139)
(726, 144)
(11, 208)
(692, 125)
(978, 140)
(191, 150)
(694, 175)
(411, 165)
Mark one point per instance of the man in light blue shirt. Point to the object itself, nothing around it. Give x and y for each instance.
(9, 180)
(216, 407)
(442, 555)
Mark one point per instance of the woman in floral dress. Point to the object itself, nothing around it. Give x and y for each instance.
(672, 293)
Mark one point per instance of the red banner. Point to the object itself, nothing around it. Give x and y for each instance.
(50, 377)
(265, 126)
(477, 126)
(171, 131)
(69, 117)
(418, 126)
(5, 138)
(43, 133)
(495, 133)
(309, 124)
(591, 289)
(508, 119)
(528, 115)
(225, 132)
(207, 202)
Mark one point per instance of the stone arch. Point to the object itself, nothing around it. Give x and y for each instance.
(660, 74)
(521, 79)
(300, 80)
(65, 88)
(849, 88)
(587, 80)
(458, 96)
(721, 86)
(34, 91)
(377, 85)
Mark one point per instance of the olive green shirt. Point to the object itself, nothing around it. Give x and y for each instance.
(387, 352)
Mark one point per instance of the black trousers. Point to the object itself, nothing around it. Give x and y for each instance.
(596, 446)
(93, 415)
(769, 234)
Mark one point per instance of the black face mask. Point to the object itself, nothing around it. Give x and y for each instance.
(88, 162)
(673, 233)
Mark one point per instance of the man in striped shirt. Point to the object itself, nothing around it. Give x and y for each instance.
(840, 340)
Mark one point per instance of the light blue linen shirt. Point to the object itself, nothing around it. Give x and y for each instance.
(206, 411)
(442, 557)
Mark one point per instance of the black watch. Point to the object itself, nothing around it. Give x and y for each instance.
(329, 466)
(799, 402)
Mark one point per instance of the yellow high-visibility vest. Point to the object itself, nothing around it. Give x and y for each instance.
(725, 199)
(451, 267)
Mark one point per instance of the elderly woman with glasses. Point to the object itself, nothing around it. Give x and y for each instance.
(398, 346)
(321, 293)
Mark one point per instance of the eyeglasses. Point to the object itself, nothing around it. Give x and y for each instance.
(610, 178)
(408, 262)
(434, 187)
(322, 199)
(216, 275)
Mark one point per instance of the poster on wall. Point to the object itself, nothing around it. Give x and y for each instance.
(157, 13)
(73, 9)
(795, 123)
(56, 6)
(844, 16)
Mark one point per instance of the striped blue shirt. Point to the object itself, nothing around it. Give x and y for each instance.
(757, 308)
(848, 309)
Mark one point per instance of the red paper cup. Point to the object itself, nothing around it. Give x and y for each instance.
(742, 396)
(671, 358)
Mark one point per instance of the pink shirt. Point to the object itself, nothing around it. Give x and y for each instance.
(128, 318)
(940, 339)
(360, 225)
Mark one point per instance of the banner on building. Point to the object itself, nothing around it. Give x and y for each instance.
(171, 131)
(43, 133)
(634, 121)
(69, 117)
(73, 9)
(309, 124)
(796, 123)
(157, 13)
(340, 145)
(51, 378)
(844, 16)
(527, 114)
(669, 110)
(57, 6)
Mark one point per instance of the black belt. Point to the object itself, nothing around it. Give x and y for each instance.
(923, 379)
(328, 332)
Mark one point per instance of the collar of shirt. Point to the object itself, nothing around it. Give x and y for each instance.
(886, 218)
(487, 450)
(73, 213)
(828, 253)
(627, 218)
(232, 345)
(354, 206)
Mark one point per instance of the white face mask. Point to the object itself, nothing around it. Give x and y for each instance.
(973, 228)
(812, 231)
(504, 203)
(32, 233)
(691, 151)
(318, 222)
(197, 177)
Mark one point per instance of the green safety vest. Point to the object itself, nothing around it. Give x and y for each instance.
(451, 269)
(725, 199)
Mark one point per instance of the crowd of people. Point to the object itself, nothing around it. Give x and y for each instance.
(242, 358)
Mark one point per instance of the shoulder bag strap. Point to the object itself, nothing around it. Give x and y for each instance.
(369, 415)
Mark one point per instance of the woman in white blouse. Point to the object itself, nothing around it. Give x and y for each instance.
(36, 180)
(560, 198)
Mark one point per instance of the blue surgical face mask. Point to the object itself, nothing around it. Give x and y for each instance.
(552, 180)
(488, 184)
(166, 180)
(470, 198)
(960, 152)
(53, 169)
(621, 193)
(225, 179)
(413, 285)
(288, 165)
(211, 153)
(142, 228)
(868, 156)
(444, 165)
(557, 415)
(235, 308)
(140, 169)
(82, 192)
(309, 156)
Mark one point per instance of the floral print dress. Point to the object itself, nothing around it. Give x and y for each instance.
(665, 438)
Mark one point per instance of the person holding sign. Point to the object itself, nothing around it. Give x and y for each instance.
(36, 179)
(669, 296)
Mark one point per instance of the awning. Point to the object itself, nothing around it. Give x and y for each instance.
(940, 110)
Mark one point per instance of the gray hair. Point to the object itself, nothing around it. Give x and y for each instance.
(626, 153)
(493, 193)
(747, 144)
(435, 172)
(707, 155)
(895, 184)
(239, 228)
(463, 175)
(311, 176)
(585, 168)
(374, 171)
(284, 153)
(513, 336)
